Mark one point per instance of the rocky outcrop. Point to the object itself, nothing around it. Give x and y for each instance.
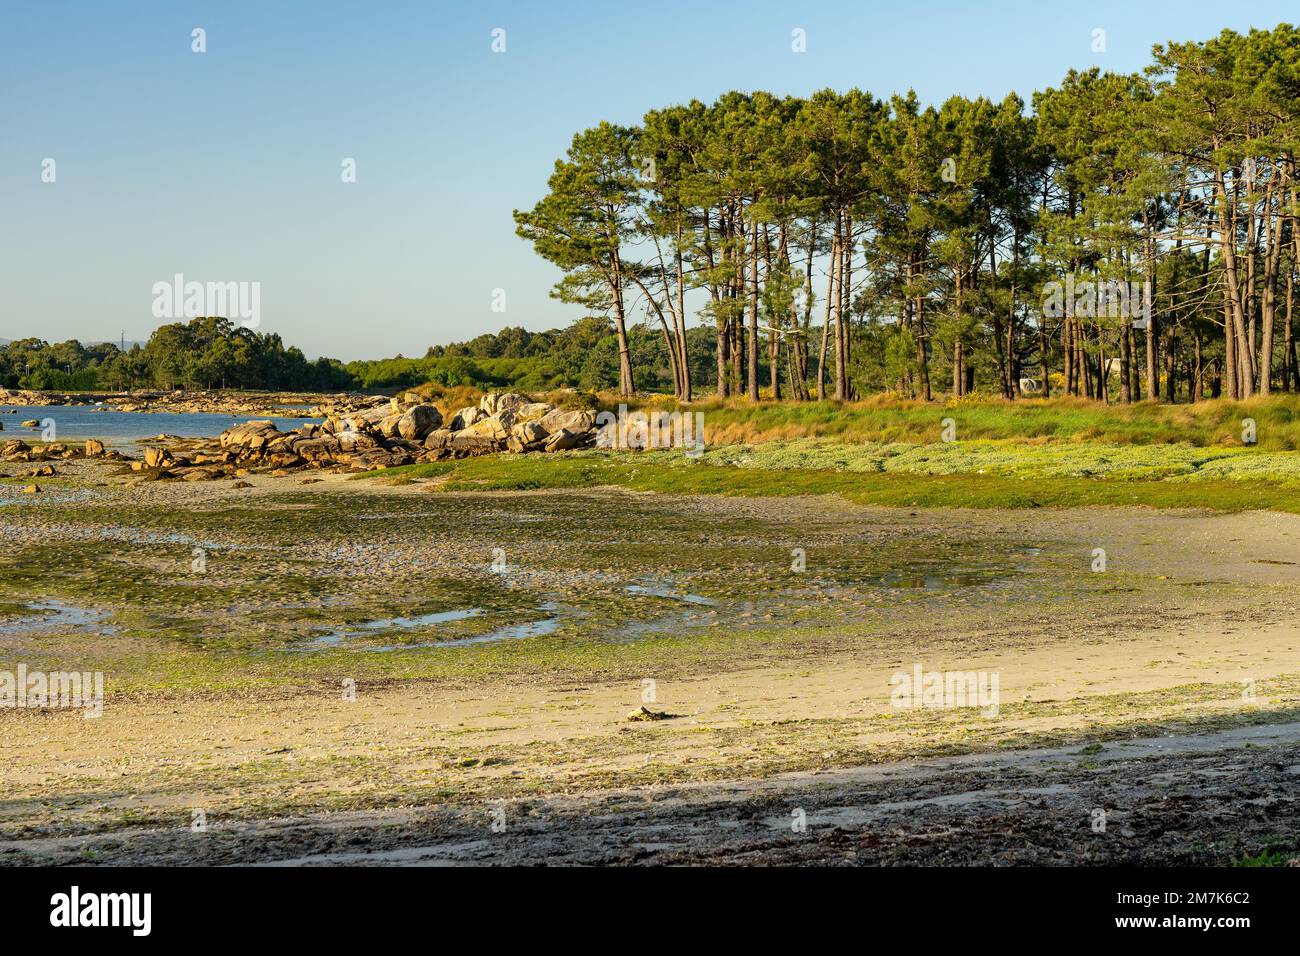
(466, 417)
(208, 401)
(22, 397)
(15, 449)
(403, 431)
(416, 423)
(385, 434)
(345, 403)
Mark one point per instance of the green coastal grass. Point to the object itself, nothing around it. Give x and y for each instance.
(885, 451)
(1010, 459)
(1011, 479)
(884, 420)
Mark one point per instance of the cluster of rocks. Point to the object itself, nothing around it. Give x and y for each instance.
(15, 449)
(157, 462)
(213, 402)
(349, 403)
(25, 397)
(18, 450)
(404, 431)
(400, 431)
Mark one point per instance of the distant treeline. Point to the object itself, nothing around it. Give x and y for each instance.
(203, 353)
(216, 353)
(584, 355)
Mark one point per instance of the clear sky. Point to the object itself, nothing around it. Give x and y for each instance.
(225, 166)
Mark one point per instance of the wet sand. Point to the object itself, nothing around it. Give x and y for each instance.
(776, 690)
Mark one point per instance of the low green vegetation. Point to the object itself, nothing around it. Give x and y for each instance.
(926, 476)
(582, 355)
(1059, 452)
(1266, 858)
(712, 585)
(888, 419)
(1009, 459)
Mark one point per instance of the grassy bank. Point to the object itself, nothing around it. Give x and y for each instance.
(889, 451)
(762, 472)
(884, 419)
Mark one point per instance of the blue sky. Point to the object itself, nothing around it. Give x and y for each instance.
(226, 165)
